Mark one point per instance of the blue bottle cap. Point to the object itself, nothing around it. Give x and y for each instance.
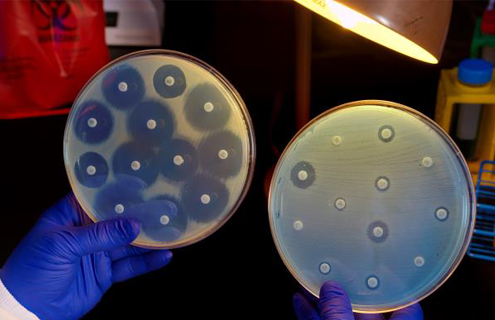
(474, 71)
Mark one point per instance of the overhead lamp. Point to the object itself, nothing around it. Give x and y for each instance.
(414, 28)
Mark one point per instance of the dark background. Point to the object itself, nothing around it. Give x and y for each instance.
(237, 271)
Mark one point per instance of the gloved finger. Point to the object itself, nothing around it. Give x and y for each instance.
(308, 295)
(103, 236)
(334, 302)
(413, 312)
(65, 212)
(364, 316)
(127, 251)
(76, 212)
(134, 266)
(303, 308)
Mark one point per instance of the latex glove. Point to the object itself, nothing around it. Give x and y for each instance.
(66, 263)
(334, 304)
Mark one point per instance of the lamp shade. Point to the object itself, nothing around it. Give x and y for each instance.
(415, 28)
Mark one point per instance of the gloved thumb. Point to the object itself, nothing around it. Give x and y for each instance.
(412, 312)
(104, 236)
(303, 308)
(334, 302)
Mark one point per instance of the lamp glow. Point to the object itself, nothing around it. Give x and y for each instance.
(368, 28)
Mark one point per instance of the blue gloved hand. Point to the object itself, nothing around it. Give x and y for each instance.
(334, 304)
(66, 263)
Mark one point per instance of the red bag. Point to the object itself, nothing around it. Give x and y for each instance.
(48, 50)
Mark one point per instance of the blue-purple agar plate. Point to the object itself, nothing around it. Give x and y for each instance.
(375, 196)
(162, 137)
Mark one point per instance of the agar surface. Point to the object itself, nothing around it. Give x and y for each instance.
(162, 139)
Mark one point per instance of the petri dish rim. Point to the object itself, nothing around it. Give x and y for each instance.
(451, 144)
(235, 96)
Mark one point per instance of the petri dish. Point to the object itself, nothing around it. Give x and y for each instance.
(376, 196)
(162, 137)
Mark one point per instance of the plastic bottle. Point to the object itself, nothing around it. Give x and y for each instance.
(474, 73)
